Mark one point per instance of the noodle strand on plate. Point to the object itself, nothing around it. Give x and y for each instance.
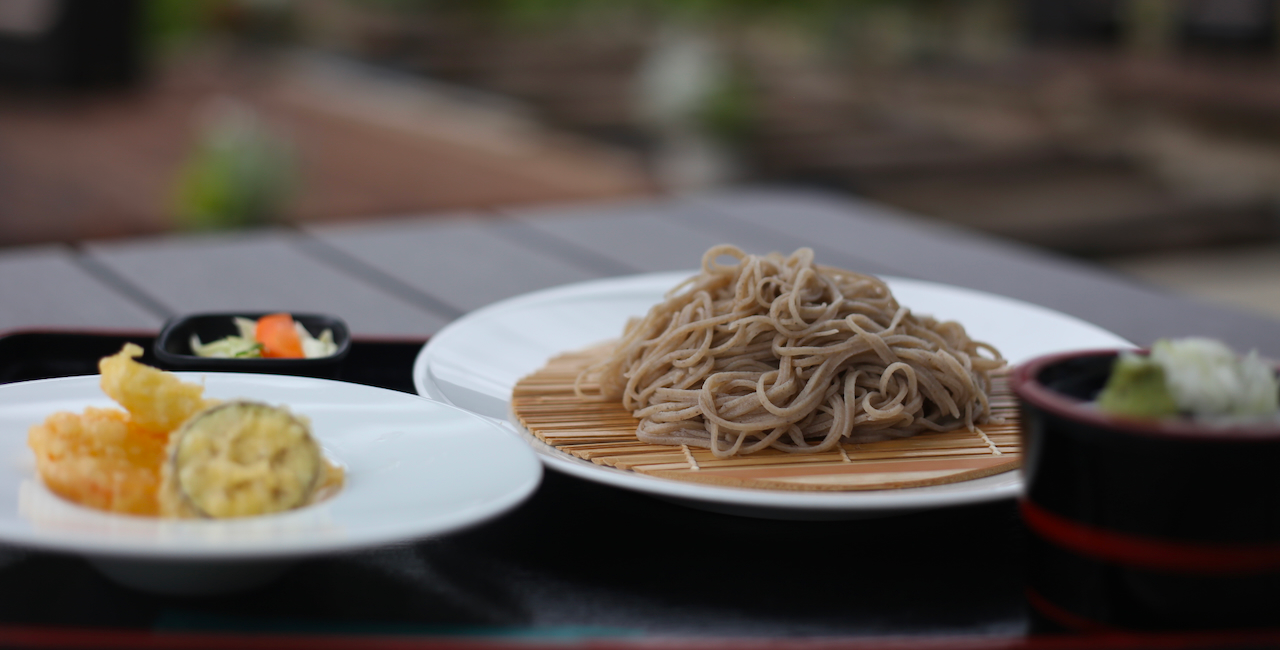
(774, 351)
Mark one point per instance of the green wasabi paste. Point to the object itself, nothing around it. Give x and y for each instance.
(1198, 377)
(1137, 389)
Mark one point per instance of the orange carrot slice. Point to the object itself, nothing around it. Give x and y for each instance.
(278, 337)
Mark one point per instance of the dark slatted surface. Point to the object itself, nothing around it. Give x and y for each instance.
(579, 559)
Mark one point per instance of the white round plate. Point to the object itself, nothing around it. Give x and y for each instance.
(475, 362)
(414, 468)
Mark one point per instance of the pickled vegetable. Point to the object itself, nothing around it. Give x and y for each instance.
(275, 336)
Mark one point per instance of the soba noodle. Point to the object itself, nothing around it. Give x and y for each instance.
(774, 351)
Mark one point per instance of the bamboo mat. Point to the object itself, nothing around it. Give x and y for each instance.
(604, 433)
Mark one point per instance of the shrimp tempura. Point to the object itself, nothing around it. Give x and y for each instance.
(100, 459)
(108, 458)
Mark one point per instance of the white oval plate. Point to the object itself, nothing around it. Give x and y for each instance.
(414, 468)
(475, 362)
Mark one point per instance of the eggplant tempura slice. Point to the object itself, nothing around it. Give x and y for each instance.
(239, 459)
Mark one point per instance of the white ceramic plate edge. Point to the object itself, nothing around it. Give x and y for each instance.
(23, 534)
(767, 502)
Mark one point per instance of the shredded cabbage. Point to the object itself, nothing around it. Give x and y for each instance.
(231, 347)
(245, 346)
(315, 347)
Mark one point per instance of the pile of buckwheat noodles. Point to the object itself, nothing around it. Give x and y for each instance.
(774, 351)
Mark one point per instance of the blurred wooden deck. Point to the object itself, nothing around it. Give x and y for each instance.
(92, 167)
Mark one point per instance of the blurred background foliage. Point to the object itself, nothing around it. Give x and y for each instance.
(1095, 127)
(239, 174)
(1092, 126)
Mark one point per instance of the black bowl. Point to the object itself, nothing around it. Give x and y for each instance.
(173, 346)
(1143, 524)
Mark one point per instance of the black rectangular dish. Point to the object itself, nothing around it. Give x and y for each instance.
(173, 346)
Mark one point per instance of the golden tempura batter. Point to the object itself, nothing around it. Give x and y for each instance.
(155, 399)
(101, 459)
(237, 459)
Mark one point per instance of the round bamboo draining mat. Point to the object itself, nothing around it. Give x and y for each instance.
(605, 433)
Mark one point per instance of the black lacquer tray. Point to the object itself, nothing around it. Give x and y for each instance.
(578, 563)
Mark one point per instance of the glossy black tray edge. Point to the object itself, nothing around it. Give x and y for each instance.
(48, 353)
